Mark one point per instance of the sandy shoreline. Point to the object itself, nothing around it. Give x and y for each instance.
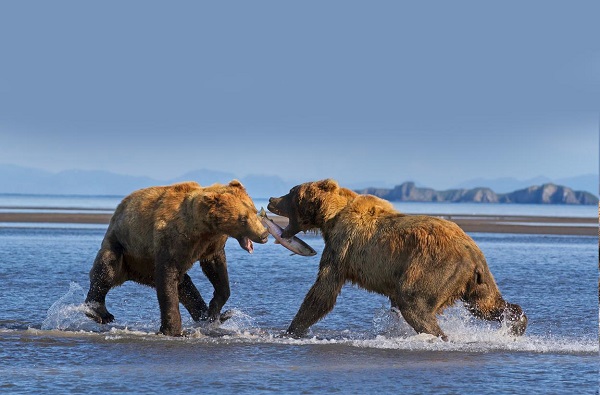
(470, 223)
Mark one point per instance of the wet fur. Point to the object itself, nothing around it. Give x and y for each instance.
(423, 264)
(156, 235)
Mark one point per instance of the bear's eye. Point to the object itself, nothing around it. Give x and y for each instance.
(243, 220)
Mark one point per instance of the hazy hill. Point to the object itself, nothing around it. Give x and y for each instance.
(545, 194)
(586, 182)
(22, 180)
(549, 194)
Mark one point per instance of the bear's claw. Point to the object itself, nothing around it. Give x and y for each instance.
(99, 313)
(221, 318)
(226, 315)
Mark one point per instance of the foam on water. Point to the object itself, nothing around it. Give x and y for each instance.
(66, 317)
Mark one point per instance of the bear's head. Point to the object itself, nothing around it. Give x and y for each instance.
(310, 205)
(232, 212)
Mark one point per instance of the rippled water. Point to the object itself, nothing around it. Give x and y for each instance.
(48, 345)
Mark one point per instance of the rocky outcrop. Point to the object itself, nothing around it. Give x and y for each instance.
(549, 194)
(545, 194)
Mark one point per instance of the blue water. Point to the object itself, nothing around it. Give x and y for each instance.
(48, 345)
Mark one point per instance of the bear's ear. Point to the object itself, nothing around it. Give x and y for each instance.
(327, 185)
(236, 184)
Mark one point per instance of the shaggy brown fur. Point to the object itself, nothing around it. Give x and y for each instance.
(423, 264)
(155, 236)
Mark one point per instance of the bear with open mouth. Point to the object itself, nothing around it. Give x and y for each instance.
(156, 235)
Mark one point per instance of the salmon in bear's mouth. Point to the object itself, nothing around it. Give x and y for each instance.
(246, 244)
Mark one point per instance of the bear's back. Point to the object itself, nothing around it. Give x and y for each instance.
(151, 198)
(185, 187)
(361, 215)
(143, 211)
(369, 206)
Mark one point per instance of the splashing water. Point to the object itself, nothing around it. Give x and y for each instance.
(389, 331)
(465, 333)
(68, 312)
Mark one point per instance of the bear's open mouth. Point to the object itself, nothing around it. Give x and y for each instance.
(246, 244)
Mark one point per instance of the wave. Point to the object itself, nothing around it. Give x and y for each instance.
(66, 318)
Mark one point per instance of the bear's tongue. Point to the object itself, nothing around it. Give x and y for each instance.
(246, 244)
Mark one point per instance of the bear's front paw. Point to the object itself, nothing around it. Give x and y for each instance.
(98, 313)
(170, 331)
(296, 333)
(226, 315)
(219, 318)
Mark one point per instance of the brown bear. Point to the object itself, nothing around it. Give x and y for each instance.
(155, 236)
(423, 264)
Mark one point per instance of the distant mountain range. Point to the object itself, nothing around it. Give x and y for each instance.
(545, 194)
(586, 182)
(24, 180)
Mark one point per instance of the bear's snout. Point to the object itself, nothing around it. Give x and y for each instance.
(264, 238)
(275, 206)
(256, 231)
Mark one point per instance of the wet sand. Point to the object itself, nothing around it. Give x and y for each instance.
(470, 223)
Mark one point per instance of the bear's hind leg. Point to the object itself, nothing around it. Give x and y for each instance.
(420, 316)
(191, 299)
(215, 270)
(483, 300)
(105, 274)
(501, 311)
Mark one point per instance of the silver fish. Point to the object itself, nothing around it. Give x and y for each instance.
(293, 244)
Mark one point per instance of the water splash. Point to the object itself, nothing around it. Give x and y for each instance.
(240, 322)
(390, 323)
(68, 312)
(465, 333)
(389, 331)
(240, 325)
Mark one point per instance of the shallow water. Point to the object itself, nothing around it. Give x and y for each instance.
(48, 345)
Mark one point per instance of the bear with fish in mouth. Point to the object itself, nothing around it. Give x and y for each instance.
(155, 236)
(423, 264)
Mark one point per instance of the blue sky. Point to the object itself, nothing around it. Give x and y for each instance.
(437, 92)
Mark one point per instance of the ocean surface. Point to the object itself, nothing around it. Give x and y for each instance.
(48, 345)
